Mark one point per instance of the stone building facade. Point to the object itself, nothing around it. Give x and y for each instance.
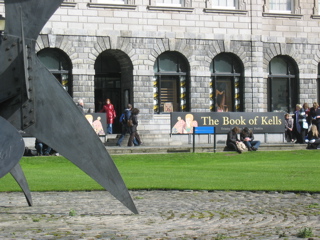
(197, 56)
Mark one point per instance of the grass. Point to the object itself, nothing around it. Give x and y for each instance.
(257, 171)
(305, 233)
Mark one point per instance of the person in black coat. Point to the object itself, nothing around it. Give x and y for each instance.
(125, 127)
(313, 138)
(312, 114)
(232, 139)
(133, 124)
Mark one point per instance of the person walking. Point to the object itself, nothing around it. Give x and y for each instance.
(246, 136)
(125, 128)
(108, 108)
(133, 124)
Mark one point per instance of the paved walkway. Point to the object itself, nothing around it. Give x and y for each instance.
(163, 215)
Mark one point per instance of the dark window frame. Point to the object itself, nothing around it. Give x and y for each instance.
(215, 75)
(292, 81)
(58, 73)
(178, 74)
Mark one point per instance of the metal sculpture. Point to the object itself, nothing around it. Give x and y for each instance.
(32, 100)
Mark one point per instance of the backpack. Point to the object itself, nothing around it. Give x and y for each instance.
(125, 116)
(129, 122)
(122, 119)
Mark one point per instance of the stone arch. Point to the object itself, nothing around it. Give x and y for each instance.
(206, 50)
(272, 50)
(123, 59)
(316, 61)
(56, 41)
(100, 45)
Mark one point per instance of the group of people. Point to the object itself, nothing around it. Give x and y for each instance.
(129, 121)
(246, 141)
(304, 125)
(42, 149)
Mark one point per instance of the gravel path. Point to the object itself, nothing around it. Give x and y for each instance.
(163, 215)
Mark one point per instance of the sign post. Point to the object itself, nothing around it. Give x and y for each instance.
(205, 130)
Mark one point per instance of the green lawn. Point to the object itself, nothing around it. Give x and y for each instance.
(270, 171)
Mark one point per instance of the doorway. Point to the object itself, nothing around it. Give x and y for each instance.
(113, 79)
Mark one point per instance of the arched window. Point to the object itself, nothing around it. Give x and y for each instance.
(226, 91)
(59, 65)
(171, 83)
(282, 84)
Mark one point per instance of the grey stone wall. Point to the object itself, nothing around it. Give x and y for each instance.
(139, 32)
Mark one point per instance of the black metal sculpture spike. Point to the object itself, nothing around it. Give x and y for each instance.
(32, 100)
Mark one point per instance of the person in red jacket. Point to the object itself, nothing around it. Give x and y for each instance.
(108, 108)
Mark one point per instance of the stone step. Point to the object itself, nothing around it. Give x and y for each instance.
(147, 139)
(198, 148)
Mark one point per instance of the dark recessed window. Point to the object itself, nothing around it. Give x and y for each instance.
(171, 83)
(226, 83)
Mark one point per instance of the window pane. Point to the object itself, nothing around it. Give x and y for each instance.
(167, 63)
(280, 5)
(278, 66)
(224, 94)
(222, 64)
(177, 3)
(169, 95)
(54, 59)
(171, 62)
(111, 1)
(51, 61)
(224, 4)
(280, 95)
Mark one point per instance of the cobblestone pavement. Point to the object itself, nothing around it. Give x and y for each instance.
(163, 215)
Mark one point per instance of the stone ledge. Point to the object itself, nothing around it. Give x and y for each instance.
(198, 148)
